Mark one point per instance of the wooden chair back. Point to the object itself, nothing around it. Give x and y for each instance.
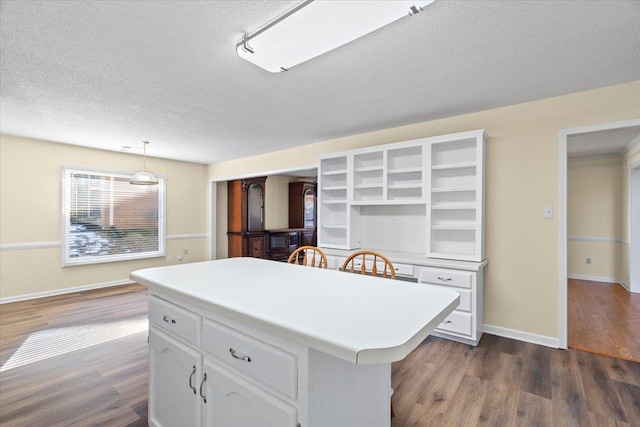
(369, 262)
(309, 256)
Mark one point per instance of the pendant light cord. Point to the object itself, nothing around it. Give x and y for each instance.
(144, 155)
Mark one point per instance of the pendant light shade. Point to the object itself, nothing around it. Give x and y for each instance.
(144, 177)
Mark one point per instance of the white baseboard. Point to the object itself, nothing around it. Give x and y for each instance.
(602, 279)
(624, 285)
(522, 336)
(64, 291)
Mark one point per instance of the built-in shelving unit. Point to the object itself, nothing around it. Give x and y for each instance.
(456, 180)
(422, 200)
(443, 173)
(334, 216)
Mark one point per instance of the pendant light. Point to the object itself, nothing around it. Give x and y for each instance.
(144, 177)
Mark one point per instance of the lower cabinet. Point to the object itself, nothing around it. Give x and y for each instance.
(466, 323)
(175, 372)
(205, 373)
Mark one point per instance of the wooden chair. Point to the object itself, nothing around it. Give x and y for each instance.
(309, 256)
(369, 262)
(359, 262)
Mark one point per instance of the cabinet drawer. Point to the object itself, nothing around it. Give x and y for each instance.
(457, 322)
(439, 276)
(400, 269)
(404, 270)
(169, 317)
(465, 299)
(270, 365)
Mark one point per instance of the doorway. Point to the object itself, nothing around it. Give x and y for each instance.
(603, 139)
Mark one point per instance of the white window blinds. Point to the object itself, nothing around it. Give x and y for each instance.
(107, 219)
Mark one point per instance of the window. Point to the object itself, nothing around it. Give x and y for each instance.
(107, 219)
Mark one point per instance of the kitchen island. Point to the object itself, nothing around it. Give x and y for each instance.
(250, 342)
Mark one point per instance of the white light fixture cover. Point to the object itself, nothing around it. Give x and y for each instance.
(144, 177)
(315, 27)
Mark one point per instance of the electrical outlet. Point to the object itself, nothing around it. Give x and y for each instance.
(180, 257)
(588, 260)
(168, 258)
(548, 213)
(185, 252)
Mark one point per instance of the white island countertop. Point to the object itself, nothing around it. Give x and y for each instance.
(360, 319)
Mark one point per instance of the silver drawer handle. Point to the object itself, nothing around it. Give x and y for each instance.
(444, 279)
(204, 379)
(193, 372)
(235, 356)
(447, 321)
(168, 319)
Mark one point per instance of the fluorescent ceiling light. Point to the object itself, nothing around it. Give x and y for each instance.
(315, 27)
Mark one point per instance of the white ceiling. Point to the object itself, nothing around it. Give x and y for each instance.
(603, 143)
(107, 74)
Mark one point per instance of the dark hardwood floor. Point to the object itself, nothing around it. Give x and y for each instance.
(81, 359)
(603, 318)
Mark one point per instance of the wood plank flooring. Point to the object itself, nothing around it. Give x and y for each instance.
(98, 383)
(501, 382)
(603, 319)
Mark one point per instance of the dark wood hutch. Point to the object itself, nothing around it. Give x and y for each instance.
(245, 226)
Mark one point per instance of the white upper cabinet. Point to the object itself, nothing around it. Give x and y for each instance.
(444, 174)
(455, 207)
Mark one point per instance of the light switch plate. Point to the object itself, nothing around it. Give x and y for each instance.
(548, 213)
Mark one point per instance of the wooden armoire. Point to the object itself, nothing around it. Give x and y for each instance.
(246, 233)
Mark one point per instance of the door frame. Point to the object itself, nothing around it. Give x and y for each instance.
(562, 216)
(634, 225)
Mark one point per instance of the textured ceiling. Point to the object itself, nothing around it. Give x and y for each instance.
(112, 73)
(603, 143)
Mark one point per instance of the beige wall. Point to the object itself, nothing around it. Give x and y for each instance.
(276, 203)
(594, 217)
(30, 212)
(521, 280)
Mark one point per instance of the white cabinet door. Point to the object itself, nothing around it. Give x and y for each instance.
(174, 376)
(234, 402)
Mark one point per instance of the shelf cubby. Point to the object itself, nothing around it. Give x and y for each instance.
(367, 193)
(368, 160)
(405, 157)
(455, 151)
